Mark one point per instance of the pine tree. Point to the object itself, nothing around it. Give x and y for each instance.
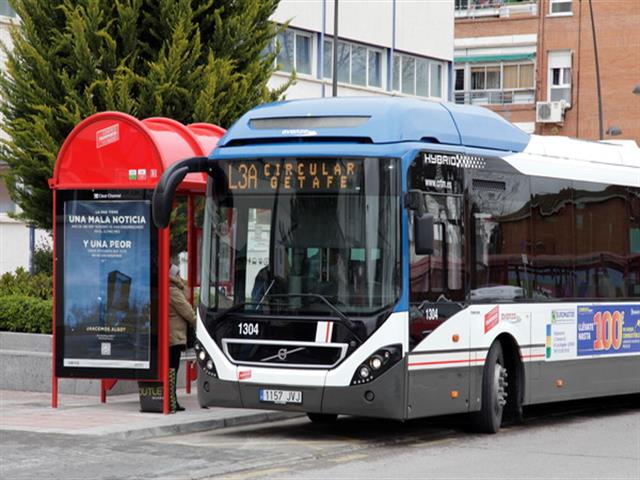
(190, 60)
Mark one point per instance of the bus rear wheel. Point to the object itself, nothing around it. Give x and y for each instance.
(322, 418)
(494, 392)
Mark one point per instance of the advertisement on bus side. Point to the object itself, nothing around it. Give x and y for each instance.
(107, 291)
(608, 329)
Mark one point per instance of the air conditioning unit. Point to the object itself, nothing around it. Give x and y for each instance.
(550, 112)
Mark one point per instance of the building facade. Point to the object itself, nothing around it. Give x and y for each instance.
(403, 48)
(16, 238)
(534, 62)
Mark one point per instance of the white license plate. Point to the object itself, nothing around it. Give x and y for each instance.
(280, 396)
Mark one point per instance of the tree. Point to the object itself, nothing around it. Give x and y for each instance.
(190, 60)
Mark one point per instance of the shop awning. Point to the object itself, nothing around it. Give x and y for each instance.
(495, 58)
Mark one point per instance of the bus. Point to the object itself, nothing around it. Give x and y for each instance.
(396, 258)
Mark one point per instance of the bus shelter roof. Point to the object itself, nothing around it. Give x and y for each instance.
(113, 150)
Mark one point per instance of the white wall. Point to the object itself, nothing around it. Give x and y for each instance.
(423, 27)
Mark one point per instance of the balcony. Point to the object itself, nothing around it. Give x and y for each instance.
(470, 9)
(495, 97)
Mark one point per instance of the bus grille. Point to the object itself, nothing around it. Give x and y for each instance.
(283, 353)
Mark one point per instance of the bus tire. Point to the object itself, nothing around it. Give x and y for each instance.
(494, 393)
(322, 418)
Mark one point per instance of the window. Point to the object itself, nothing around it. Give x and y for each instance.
(502, 83)
(559, 78)
(633, 259)
(6, 204)
(500, 237)
(6, 10)
(604, 258)
(552, 218)
(409, 75)
(560, 7)
(436, 80)
(417, 76)
(459, 85)
(357, 64)
(295, 52)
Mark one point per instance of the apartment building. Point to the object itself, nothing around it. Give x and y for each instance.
(534, 62)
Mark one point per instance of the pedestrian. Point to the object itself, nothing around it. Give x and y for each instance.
(181, 315)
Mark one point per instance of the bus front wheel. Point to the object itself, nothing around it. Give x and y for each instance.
(322, 418)
(494, 392)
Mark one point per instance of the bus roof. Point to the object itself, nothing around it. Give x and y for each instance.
(613, 152)
(376, 120)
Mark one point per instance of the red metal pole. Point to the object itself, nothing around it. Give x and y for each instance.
(163, 283)
(103, 391)
(191, 247)
(192, 255)
(54, 378)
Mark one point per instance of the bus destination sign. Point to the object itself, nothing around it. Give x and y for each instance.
(299, 175)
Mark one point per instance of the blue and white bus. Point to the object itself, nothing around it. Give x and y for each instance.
(396, 258)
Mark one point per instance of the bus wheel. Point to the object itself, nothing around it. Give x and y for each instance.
(322, 418)
(494, 393)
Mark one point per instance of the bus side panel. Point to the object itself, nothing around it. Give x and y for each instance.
(590, 377)
(567, 366)
(430, 391)
(439, 370)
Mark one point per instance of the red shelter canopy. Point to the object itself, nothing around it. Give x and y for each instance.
(116, 150)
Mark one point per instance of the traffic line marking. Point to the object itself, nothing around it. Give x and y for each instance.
(257, 473)
(349, 458)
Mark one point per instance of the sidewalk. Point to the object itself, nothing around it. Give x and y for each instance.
(119, 417)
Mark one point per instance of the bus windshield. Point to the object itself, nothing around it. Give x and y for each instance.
(303, 236)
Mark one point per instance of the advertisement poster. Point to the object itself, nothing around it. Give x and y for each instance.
(608, 329)
(561, 334)
(107, 307)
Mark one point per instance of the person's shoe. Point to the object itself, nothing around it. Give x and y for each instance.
(180, 408)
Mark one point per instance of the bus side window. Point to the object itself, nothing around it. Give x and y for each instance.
(500, 222)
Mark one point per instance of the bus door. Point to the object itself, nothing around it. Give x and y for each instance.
(437, 280)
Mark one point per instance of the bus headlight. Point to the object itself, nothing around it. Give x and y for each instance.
(377, 364)
(205, 362)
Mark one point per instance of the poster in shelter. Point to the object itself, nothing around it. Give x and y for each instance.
(107, 307)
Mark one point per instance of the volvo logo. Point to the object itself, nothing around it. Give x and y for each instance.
(282, 354)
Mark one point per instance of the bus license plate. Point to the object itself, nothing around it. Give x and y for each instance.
(280, 396)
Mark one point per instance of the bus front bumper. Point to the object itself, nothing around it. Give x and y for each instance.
(384, 397)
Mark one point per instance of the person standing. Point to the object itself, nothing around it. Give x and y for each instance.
(181, 315)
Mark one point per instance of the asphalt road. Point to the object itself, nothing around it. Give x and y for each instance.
(585, 440)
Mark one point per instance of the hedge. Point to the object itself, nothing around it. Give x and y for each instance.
(22, 282)
(21, 313)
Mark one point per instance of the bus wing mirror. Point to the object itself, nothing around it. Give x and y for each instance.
(423, 234)
(162, 201)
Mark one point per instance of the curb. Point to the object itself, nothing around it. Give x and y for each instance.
(203, 425)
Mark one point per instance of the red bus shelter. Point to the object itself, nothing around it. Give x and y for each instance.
(111, 311)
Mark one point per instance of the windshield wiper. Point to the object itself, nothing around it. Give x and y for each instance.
(317, 296)
(266, 292)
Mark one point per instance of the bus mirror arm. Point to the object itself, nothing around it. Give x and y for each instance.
(165, 190)
(413, 201)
